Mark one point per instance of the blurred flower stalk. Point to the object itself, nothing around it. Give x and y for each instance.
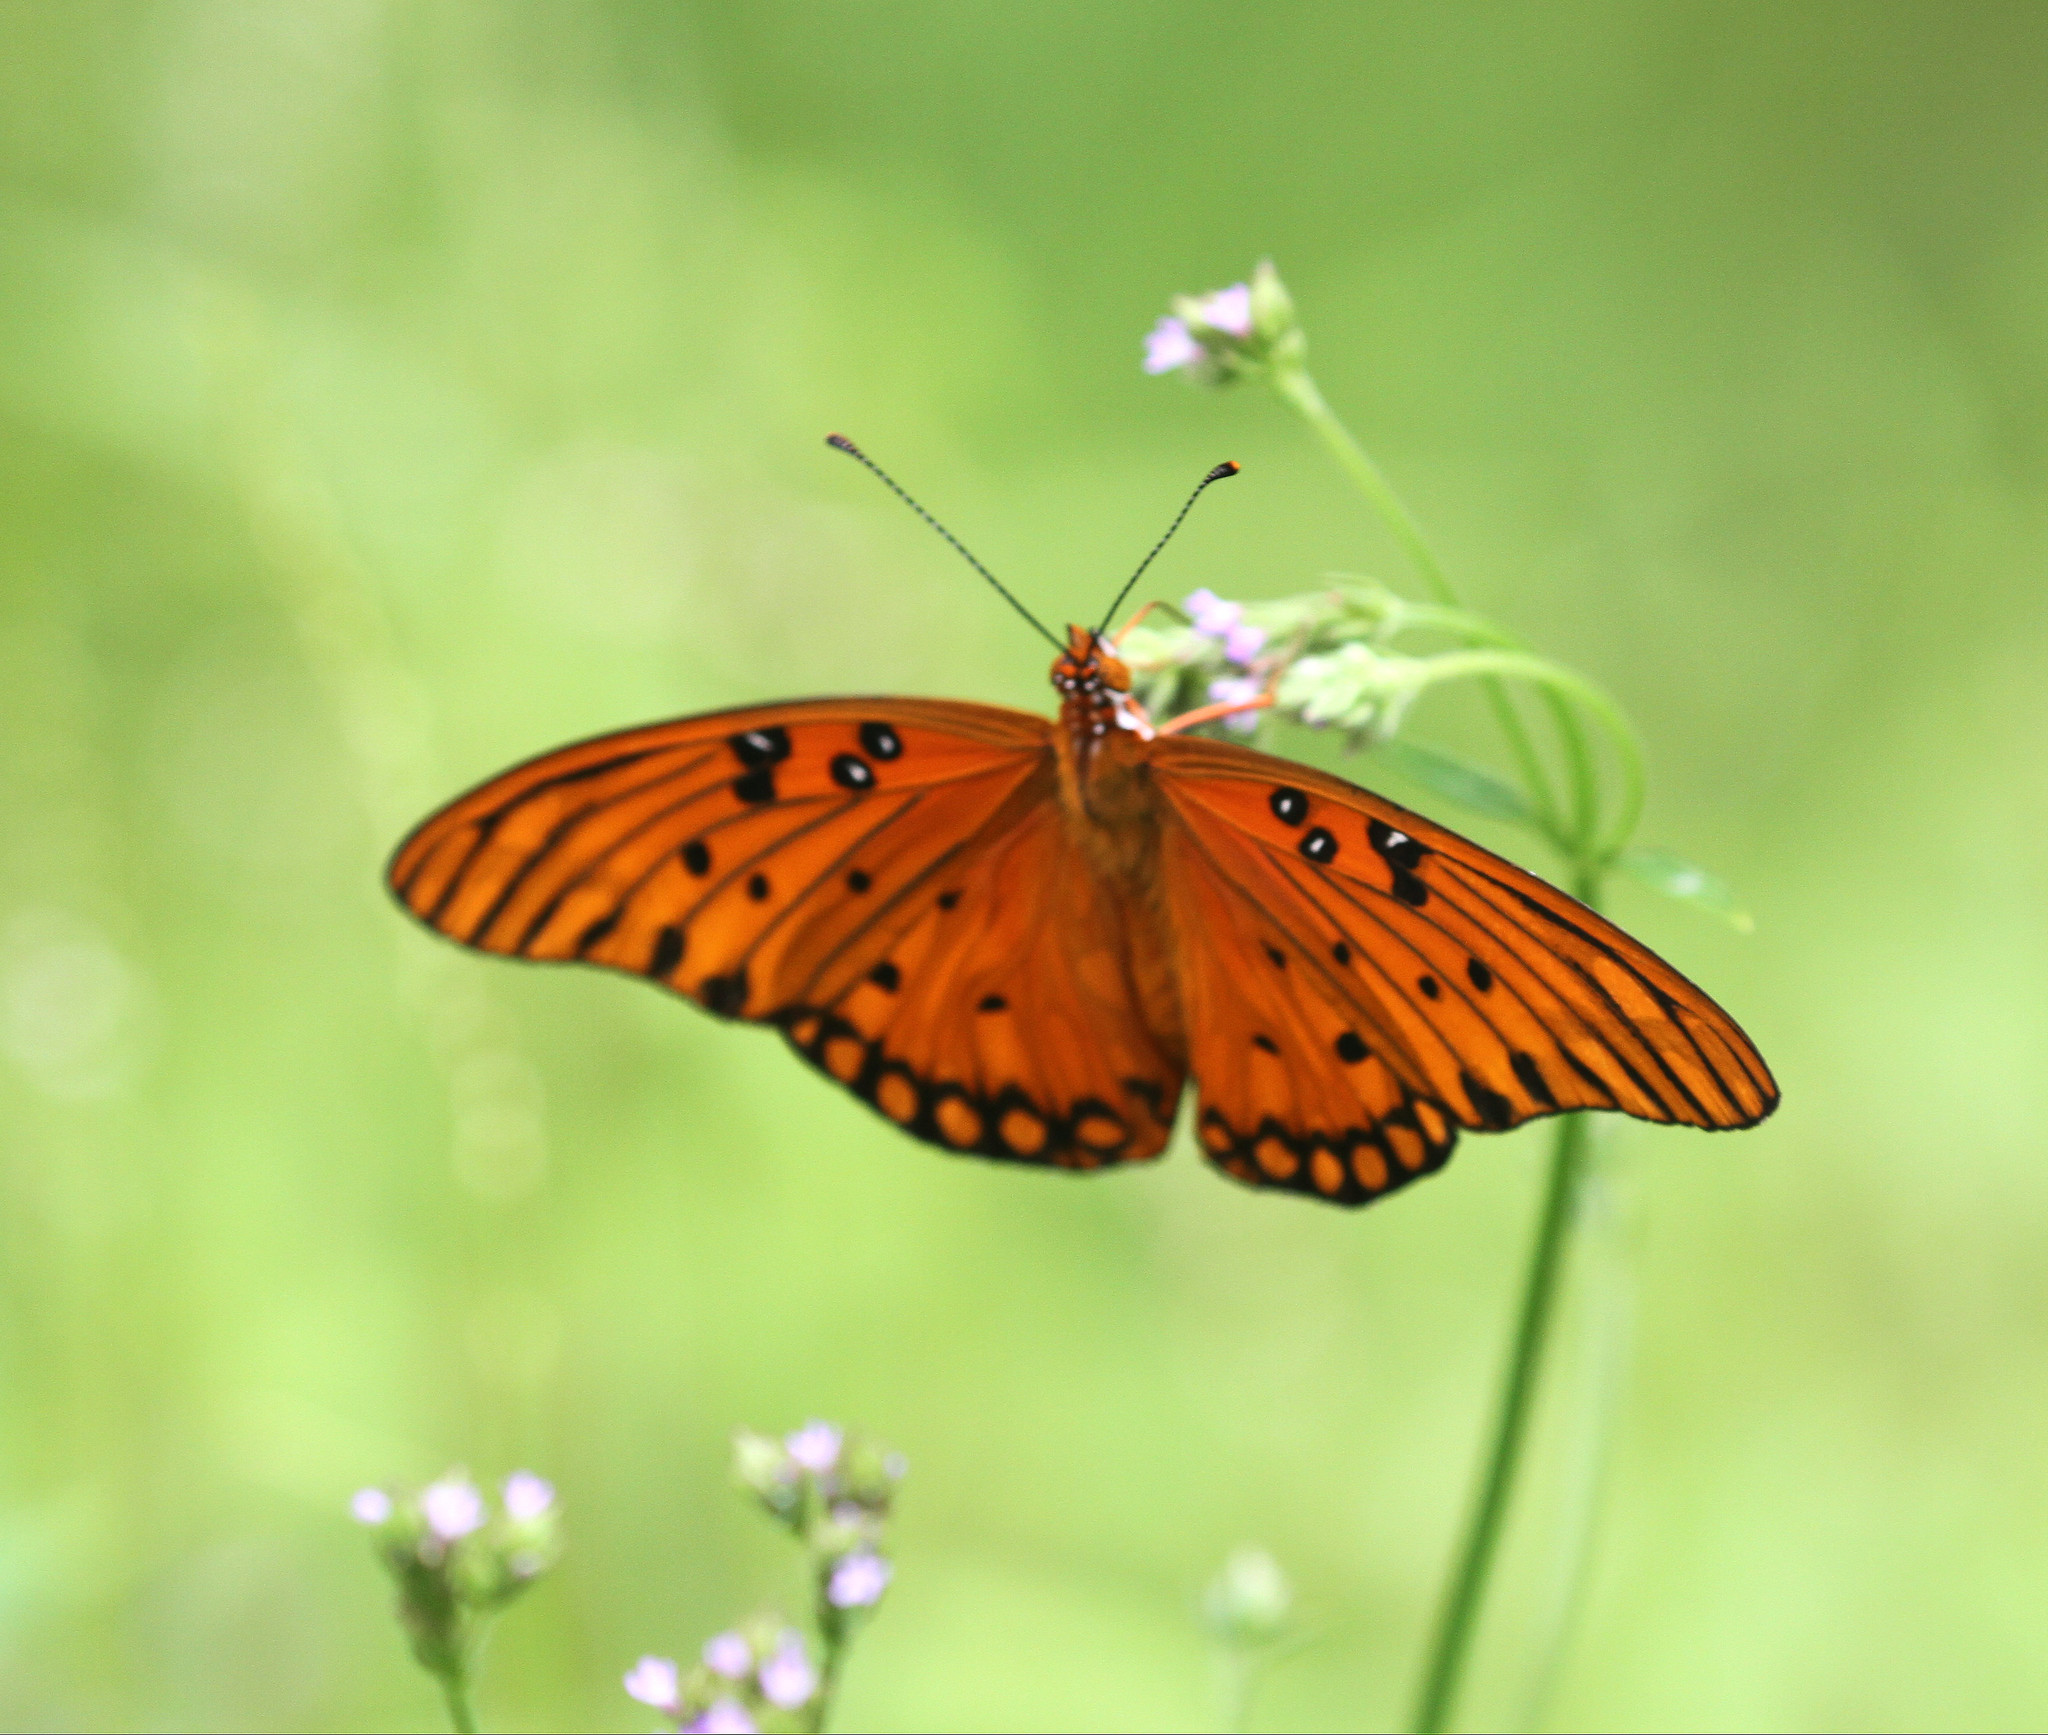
(1248, 1614)
(832, 1490)
(1355, 657)
(458, 1564)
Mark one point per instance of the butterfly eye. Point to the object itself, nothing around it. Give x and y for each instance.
(881, 740)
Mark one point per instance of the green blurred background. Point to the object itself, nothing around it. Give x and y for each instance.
(391, 390)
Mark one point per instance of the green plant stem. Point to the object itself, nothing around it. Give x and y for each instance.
(828, 1682)
(1301, 394)
(1562, 683)
(1237, 1670)
(1462, 1601)
(455, 1688)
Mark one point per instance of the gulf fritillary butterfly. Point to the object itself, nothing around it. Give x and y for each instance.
(1018, 937)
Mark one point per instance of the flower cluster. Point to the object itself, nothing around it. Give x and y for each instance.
(1324, 658)
(455, 1562)
(755, 1675)
(1228, 333)
(833, 1491)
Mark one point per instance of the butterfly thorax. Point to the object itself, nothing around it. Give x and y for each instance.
(1105, 784)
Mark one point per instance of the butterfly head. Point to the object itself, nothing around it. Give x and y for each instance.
(1089, 668)
(1094, 685)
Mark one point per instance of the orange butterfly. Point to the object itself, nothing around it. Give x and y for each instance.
(1018, 937)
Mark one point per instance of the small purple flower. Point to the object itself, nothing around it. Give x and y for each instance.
(729, 1655)
(452, 1508)
(527, 1496)
(858, 1581)
(370, 1506)
(1169, 345)
(1228, 310)
(787, 1678)
(1215, 618)
(1238, 690)
(815, 1446)
(1211, 614)
(653, 1681)
(725, 1717)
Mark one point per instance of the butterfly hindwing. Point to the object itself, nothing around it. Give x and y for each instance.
(1299, 1089)
(1007, 1019)
(1404, 959)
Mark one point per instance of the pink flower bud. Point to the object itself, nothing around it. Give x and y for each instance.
(527, 1496)
(787, 1678)
(1239, 690)
(858, 1581)
(653, 1681)
(1169, 345)
(725, 1717)
(815, 1446)
(370, 1506)
(1229, 310)
(452, 1509)
(729, 1655)
(1211, 614)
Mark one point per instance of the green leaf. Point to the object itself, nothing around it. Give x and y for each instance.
(1457, 780)
(1678, 878)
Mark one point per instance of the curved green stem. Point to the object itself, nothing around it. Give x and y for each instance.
(1462, 1600)
(455, 1689)
(1300, 393)
(1578, 840)
(1521, 665)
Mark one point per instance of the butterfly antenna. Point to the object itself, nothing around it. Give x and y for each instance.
(1226, 468)
(841, 443)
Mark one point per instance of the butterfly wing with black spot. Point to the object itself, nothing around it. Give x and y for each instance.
(784, 863)
(1015, 1016)
(1406, 982)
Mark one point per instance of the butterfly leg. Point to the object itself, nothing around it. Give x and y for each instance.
(1117, 638)
(1209, 713)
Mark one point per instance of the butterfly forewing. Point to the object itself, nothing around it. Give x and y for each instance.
(1489, 995)
(887, 880)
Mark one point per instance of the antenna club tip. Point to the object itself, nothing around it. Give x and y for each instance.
(1229, 467)
(840, 443)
